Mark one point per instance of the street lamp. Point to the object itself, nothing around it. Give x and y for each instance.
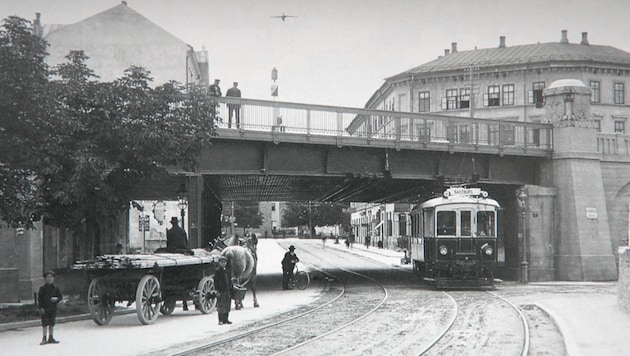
(182, 201)
(522, 202)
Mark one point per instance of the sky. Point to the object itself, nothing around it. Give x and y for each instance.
(338, 52)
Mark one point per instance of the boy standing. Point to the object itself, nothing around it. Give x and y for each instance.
(223, 286)
(48, 298)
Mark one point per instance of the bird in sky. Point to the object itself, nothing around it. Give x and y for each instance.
(283, 16)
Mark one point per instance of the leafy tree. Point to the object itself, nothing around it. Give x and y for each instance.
(24, 104)
(72, 148)
(315, 214)
(247, 214)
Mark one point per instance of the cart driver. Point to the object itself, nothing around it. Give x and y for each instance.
(176, 238)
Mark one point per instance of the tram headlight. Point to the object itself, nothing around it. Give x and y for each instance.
(443, 250)
(487, 249)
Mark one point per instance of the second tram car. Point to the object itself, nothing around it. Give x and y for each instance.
(454, 238)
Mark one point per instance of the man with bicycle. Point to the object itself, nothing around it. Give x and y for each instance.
(288, 264)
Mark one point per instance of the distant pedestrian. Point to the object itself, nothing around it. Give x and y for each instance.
(323, 241)
(367, 241)
(288, 264)
(347, 242)
(215, 89)
(380, 243)
(234, 109)
(48, 297)
(223, 286)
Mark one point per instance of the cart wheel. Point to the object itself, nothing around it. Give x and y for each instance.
(148, 299)
(101, 309)
(167, 307)
(207, 295)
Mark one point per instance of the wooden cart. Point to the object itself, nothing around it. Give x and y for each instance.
(154, 282)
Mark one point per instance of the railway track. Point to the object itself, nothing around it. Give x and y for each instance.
(348, 298)
(481, 323)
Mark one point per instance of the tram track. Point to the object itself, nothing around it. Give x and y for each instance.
(347, 299)
(481, 325)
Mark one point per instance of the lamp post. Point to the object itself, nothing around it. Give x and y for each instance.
(182, 202)
(522, 202)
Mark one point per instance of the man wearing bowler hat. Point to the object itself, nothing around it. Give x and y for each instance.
(176, 238)
(288, 264)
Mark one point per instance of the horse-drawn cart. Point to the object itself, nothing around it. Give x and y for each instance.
(154, 282)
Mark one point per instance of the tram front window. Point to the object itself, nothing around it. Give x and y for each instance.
(446, 223)
(485, 223)
(466, 223)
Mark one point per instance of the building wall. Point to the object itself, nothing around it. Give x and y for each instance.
(119, 38)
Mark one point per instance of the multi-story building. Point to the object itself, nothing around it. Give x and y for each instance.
(507, 82)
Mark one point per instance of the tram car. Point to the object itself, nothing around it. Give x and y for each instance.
(454, 239)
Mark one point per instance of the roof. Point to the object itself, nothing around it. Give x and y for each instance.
(522, 55)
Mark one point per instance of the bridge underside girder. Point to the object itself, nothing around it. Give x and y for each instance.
(267, 171)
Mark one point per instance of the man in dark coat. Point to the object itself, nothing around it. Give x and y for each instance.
(234, 109)
(223, 286)
(215, 89)
(176, 238)
(288, 264)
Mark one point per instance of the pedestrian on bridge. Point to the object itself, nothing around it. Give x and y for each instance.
(234, 109)
(215, 89)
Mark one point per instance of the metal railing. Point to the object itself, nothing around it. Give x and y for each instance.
(308, 119)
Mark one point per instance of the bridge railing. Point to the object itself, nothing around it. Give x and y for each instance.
(386, 125)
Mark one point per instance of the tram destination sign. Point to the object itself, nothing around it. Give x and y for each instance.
(464, 192)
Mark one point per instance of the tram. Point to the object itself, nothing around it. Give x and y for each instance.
(454, 238)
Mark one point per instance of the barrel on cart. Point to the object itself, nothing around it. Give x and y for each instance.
(154, 282)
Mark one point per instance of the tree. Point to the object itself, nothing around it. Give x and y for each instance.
(72, 148)
(315, 214)
(247, 214)
(24, 104)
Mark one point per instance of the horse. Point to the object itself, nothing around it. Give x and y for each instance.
(242, 263)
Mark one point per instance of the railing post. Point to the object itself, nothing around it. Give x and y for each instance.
(397, 121)
(308, 122)
(339, 124)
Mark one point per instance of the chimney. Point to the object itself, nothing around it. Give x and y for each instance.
(124, 3)
(37, 25)
(502, 42)
(446, 52)
(564, 38)
(584, 38)
(453, 47)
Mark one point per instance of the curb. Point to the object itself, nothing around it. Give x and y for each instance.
(64, 319)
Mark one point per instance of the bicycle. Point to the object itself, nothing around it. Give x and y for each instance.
(301, 279)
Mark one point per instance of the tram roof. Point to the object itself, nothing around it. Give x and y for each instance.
(432, 203)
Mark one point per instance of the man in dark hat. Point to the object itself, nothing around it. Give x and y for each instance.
(215, 89)
(48, 297)
(223, 286)
(234, 109)
(176, 238)
(288, 264)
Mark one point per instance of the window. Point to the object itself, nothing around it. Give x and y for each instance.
(466, 223)
(535, 96)
(464, 98)
(598, 125)
(508, 94)
(424, 101)
(492, 96)
(485, 223)
(427, 223)
(620, 127)
(619, 93)
(450, 101)
(273, 207)
(446, 221)
(595, 92)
